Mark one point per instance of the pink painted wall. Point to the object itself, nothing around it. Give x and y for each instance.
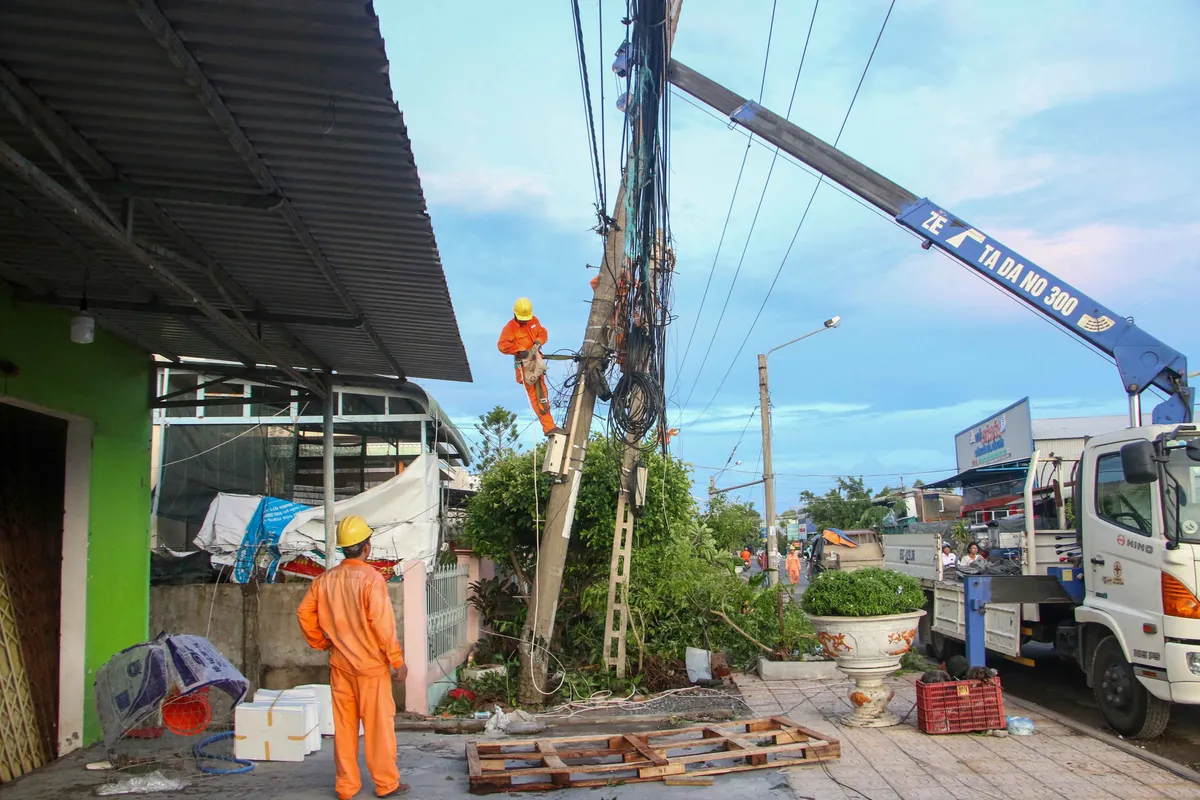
(416, 638)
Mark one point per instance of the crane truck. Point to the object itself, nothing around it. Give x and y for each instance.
(1127, 610)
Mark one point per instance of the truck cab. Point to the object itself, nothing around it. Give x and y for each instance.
(1138, 627)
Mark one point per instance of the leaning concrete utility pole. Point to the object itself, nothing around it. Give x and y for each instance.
(538, 631)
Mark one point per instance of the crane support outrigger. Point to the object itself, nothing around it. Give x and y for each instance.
(1124, 605)
(1142, 360)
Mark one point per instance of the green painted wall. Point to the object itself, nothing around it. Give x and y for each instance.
(107, 382)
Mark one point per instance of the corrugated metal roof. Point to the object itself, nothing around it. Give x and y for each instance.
(304, 84)
(1079, 427)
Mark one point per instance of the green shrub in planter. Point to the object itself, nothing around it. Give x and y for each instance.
(863, 593)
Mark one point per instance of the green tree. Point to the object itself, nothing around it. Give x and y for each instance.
(850, 505)
(500, 523)
(680, 576)
(498, 428)
(733, 525)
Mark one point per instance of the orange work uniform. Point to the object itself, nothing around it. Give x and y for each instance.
(528, 337)
(746, 557)
(348, 612)
(793, 567)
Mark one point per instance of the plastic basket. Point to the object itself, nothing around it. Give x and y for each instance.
(960, 706)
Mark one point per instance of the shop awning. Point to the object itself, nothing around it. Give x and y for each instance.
(981, 475)
(230, 181)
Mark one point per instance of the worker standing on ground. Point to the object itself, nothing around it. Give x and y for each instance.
(793, 566)
(348, 612)
(522, 338)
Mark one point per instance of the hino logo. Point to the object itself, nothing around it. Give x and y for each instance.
(1135, 545)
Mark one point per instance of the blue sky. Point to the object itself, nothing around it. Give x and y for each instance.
(1064, 130)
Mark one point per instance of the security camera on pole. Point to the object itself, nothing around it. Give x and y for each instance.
(764, 403)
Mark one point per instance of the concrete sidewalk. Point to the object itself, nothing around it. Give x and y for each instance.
(898, 763)
(433, 764)
(901, 763)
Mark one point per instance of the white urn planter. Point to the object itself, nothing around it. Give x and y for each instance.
(868, 649)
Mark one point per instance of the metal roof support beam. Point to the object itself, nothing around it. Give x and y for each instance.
(29, 172)
(14, 107)
(188, 389)
(302, 397)
(224, 373)
(270, 374)
(56, 124)
(46, 228)
(53, 299)
(186, 195)
(97, 264)
(221, 280)
(193, 326)
(158, 25)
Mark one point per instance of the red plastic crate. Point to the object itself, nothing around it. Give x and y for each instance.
(960, 706)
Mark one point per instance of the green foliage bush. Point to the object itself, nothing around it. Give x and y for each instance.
(863, 593)
(682, 570)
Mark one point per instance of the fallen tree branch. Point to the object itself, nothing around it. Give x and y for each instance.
(721, 615)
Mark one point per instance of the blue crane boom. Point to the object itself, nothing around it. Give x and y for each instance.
(1141, 359)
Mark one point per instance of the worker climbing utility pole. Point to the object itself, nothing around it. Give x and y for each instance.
(538, 631)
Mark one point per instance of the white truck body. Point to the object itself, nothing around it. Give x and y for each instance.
(1127, 563)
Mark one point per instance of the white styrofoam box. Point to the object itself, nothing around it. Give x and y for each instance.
(263, 733)
(312, 721)
(325, 696)
(307, 700)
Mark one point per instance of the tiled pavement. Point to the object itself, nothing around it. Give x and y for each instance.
(901, 763)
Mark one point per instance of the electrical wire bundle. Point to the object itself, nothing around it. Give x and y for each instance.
(644, 293)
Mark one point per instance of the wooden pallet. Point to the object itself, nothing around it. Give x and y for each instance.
(613, 759)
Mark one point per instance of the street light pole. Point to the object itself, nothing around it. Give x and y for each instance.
(764, 403)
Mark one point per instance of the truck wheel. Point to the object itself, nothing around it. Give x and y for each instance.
(1126, 705)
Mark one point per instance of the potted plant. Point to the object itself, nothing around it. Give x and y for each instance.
(866, 620)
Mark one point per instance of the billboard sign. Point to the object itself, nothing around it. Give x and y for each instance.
(999, 439)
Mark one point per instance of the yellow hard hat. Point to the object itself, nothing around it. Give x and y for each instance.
(523, 309)
(352, 530)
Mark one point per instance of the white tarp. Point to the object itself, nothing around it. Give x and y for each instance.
(403, 513)
(225, 524)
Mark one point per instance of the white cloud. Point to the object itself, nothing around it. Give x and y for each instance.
(488, 189)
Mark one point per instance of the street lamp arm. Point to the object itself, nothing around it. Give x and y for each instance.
(829, 323)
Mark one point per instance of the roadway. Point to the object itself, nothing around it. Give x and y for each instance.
(1060, 686)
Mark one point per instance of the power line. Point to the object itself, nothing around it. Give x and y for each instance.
(728, 214)
(837, 475)
(601, 200)
(733, 452)
(803, 217)
(603, 137)
(761, 197)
